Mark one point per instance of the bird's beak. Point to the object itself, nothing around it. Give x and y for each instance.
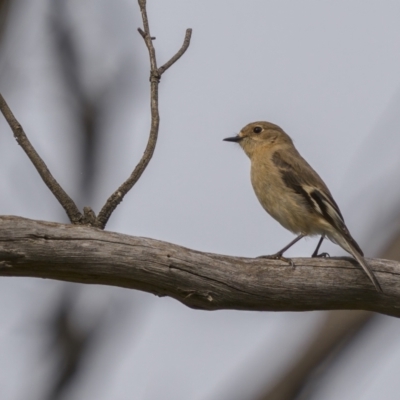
(236, 138)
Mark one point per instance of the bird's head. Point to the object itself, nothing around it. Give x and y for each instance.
(259, 136)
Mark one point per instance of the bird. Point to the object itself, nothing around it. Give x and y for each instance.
(291, 191)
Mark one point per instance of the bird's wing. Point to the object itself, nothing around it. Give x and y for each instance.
(302, 179)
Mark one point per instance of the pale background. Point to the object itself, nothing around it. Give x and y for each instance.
(326, 72)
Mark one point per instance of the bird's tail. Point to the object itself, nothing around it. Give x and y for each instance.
(350, 245)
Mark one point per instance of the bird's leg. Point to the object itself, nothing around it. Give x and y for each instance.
(315, 254)
(279, 254)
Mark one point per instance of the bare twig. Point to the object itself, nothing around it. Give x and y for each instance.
(155, 75)
(340, 328)
(69, 343)
(198, 280)
(66, 202)
(112, 202)
(179, 54)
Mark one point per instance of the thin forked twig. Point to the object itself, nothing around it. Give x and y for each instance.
(179, 54)
(66, 202)
(155, 75)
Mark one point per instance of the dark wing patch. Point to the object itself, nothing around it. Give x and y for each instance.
(280, 162)
(290, 178)
(321, 201)
(292, 182)
(331, 201)
(329, 208)
(317, 200)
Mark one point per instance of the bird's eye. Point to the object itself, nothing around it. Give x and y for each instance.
(257, 129)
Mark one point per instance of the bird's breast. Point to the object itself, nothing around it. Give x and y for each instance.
(281, 202)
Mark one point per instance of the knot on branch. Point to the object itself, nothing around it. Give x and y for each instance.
(89, 217)
(155, 76)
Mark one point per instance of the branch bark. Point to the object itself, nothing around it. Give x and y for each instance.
(199, 280)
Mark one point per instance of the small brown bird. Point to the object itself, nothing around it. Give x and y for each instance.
(293, 193)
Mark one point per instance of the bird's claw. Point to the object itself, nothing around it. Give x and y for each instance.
(321, 255)
(278, 256)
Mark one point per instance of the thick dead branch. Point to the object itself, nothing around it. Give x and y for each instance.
(199, 280)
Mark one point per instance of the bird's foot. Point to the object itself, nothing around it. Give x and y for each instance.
(320, 255)
(279, 256)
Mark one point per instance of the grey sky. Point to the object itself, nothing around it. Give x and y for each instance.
(326, 72)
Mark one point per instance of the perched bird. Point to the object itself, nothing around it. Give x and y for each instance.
(292, 192)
